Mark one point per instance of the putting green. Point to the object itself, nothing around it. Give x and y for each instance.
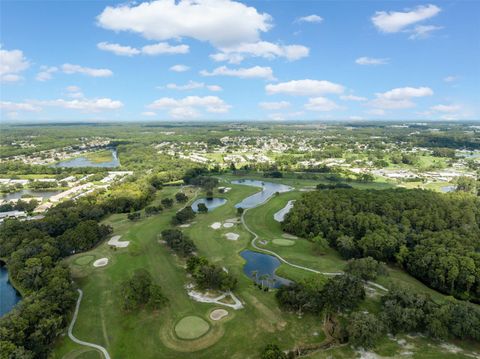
(84, 260)
(283, 242)
(191, 327)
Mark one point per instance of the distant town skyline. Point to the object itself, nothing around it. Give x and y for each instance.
(231, 60)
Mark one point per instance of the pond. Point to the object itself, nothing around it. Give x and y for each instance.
(28, 193)
(446, 189)
(268, 190)
(280, 215)
(85, 162)
(263, 265)
(8, 295)
(211, 203)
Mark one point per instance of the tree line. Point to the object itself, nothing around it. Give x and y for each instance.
(434, 237)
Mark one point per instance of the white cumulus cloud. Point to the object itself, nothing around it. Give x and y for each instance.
(188, 107)
(353, 98)
(395, 21)
(364, 60)
(153, 49)
(46, 73)
(12, 64)
(446, 108)
(423, 31)
(85, 105)
(236, 54)
(19, 106)
(305, 87)
(118, 49)
(321, 104)
(244, 73)
(192, 85)
(310, 18)
(220, 22)
(179, 68)
(399, 98)
(73, 69)
(165, 48)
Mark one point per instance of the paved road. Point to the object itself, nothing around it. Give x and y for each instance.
(78, 341)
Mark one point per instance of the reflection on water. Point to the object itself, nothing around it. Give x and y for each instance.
(261, 267)
(8, 295)
(211, 203)
(28, 193)
(268, 189)
(85, 162)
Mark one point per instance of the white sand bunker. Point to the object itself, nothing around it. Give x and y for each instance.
(218, 314)
(232, 220)
(100, 262)
(115, 241)
(216, 225)
(186, 225)
(232, 236)
(289, 236)
(228, 225)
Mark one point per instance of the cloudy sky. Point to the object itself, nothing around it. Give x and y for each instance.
(229, 60)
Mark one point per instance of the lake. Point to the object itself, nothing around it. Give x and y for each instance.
(29, 193)
(264, 264)
(211, 203)
(268, 190)
(448, 188)
(280, 215)
(85, 162)
(8, 295)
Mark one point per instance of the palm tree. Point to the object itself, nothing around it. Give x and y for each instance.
(264, 277)
(254, 274)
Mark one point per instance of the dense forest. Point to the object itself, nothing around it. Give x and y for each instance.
(435, 237)
(33, 251)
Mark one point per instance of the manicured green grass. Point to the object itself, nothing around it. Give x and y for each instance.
(84, 260)
(283, 242)
(243, 333)
(152, 334)
(191, 327)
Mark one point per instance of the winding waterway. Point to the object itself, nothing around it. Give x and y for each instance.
(268, 190)
(8, 294)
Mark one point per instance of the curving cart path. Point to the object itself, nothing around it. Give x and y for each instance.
(78, 341)
(254, 245)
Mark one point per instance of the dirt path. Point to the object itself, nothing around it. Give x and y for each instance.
(81, 342)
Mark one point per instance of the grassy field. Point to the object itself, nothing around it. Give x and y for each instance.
(243, 332)
(125, 335)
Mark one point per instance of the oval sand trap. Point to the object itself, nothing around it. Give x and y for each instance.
(228, 225)
(191, 327)
(100, 262)
(216, 225)
(283, 242)
(232, 236)
(218, 314)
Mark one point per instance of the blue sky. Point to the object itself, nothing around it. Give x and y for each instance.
(227, 60)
